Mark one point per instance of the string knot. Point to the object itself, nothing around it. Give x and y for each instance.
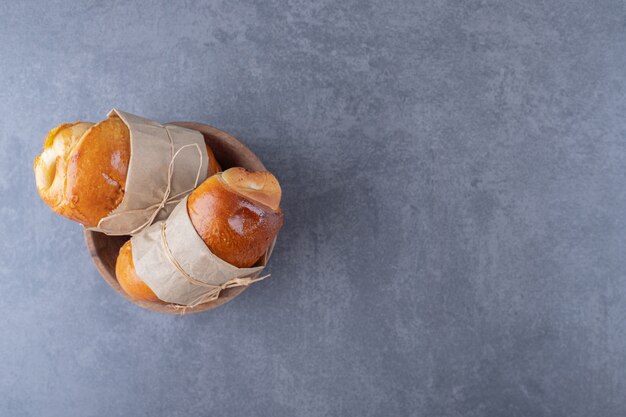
(214, 290)
(153, 211)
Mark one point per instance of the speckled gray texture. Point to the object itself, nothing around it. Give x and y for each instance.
(454, 178)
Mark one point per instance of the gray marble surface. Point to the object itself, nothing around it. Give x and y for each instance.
(454, 178)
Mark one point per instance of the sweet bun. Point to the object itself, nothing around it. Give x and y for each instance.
(81, 172)
(127, 277)
(237, 215)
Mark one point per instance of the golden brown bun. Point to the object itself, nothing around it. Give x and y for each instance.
(81, 173)
(237, 215)
(127, 277)
(214, 166)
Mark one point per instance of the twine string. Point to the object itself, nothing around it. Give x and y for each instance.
(213, 289)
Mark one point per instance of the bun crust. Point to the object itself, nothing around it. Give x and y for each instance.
(81, 172)
(231, 212)
(127, 277)
(96, 171)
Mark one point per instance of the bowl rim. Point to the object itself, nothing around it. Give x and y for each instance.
(95, 240)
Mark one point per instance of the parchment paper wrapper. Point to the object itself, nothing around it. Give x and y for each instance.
(172, 259)
(166, 163)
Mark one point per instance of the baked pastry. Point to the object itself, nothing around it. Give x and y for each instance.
(81, 172)
(237, 215)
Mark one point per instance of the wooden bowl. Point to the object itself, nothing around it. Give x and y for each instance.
(229, 152)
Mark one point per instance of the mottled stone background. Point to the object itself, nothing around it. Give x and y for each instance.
(454, 178)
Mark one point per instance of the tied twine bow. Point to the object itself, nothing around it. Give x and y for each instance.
(165, 201)
(214, 290)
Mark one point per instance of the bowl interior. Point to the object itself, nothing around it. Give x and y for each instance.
(103, 249)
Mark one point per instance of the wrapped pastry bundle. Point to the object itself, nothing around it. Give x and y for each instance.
(217, 238)
(192, 237)
(121, 174)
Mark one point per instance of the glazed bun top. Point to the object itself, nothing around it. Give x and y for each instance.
(237, 214)
(81, 173)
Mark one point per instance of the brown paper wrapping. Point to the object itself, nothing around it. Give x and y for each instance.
(166, 163)
(172, 259)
